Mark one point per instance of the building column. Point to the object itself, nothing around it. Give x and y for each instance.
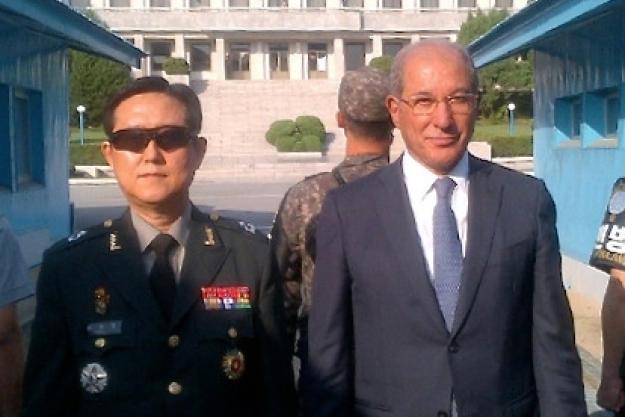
(296, 60)
(257, 61)
(376, 48)
(218, 59)
(370, 4)
(139, 43)
(336, 67)
(178, 51)
(415, 37)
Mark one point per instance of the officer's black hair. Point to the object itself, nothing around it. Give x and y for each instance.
(184, 94)
(376, 131)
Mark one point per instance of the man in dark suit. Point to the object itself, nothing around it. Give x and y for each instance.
(165, 311)
(438, 286)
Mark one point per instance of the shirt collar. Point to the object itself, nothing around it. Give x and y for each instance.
(179, 229)
(420, 179)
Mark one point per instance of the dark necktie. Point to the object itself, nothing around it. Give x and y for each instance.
(162, 278)
(447, 251)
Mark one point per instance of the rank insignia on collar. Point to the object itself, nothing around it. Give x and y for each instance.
(226, 298)
(210, 236)
(102, 299)
(113, 246)
(93, 378)
(233, 364)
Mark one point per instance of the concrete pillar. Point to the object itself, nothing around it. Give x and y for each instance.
(370, 4)
(134, 4)
(257, 61)
(256, 4)
(415, 37)
(296, 4)
(98, 4)
(179, 4)
(376, 47)
(178, 51)
(296, 60)
(333, 4)
(409, 4)
(336, 65)
(218, 59)
(218, 4)
(447, 4)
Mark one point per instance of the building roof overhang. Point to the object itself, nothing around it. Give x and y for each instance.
(65, 28)
(535, 23)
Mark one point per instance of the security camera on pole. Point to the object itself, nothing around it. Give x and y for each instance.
(81, 120)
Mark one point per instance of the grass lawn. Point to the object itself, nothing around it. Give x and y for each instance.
(92, 135)
(486, 129)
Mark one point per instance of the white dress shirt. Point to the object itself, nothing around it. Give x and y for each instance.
(420, 185)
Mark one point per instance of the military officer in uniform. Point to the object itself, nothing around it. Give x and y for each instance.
(368, 129)
(166, 311)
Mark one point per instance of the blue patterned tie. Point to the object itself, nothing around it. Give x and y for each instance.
(447, 251)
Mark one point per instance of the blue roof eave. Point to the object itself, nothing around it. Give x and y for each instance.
(74, 29)
(523, 30)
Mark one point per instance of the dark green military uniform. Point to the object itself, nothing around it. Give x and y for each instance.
(100, 346)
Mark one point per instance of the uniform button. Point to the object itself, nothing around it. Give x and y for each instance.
(232, 332)
(453, 348)
(442, 414)
(174, 388)
(173, 341)
(100, 342)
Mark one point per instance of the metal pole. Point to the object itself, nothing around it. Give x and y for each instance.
(82, 128)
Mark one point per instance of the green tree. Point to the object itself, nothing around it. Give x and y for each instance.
(503, 81)
(92, 81)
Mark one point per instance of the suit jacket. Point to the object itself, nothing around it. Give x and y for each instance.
(377, 339)
(101, 347)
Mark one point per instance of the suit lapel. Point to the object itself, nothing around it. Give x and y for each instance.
(395, 213)
(485, 194)
(205, 253)
(125, 268)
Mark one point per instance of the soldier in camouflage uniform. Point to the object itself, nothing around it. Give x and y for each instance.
(368, 131)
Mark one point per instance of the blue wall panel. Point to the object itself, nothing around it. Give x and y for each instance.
(587, 58)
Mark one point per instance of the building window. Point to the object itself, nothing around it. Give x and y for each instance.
(277, 3)
(352, 4)
(466, 3)
(80, 4)
(279, 61)
(315, 4)
(22, 147)
(391, 4)
(130, 40)
(354, 56)
(503, 3)
(119, 3)
(238, 61)
(612, 110)
(159, 52)
(200, 56)
(239, 4)
(568, 118)
(317, 60)
(199, 3)
(160, 3)
(391, 48)
(429, 4)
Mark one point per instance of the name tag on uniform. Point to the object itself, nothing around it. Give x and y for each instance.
(105, 328)
(226, 298)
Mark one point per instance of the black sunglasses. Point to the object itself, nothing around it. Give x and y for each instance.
(167, 138)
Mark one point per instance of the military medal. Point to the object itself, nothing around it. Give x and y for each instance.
(210, 237)
(233, 364)
(113, 246)
(102, 299)
(226, 298)
(93, 378)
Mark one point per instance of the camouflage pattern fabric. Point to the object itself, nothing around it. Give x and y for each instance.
(294, 228)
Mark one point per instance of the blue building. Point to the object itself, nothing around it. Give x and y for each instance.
(34, 121)
(579, 112)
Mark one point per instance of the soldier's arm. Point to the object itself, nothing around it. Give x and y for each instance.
(610, 394)
(50, 383)
(11, 362)
(286, 262)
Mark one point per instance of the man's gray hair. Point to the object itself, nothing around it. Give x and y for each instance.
(397, 70)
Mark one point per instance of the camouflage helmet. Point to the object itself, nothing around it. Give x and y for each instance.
(362, 95)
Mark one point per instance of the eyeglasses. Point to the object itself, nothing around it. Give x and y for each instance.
(167, 138)
(425, 105)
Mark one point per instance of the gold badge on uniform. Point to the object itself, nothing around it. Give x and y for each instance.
(233, 364)
(102, 299)
(210, 236)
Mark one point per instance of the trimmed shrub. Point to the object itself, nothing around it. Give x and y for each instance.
(87, 154)
(311, 125)
(285, 143)
(176, 66)
(279, 128)
(311, 143)
(299, 146)
(382, 63)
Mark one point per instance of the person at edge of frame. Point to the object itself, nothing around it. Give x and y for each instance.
(166, 311)
(609, 256)
(363, 116)
(438, 288)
